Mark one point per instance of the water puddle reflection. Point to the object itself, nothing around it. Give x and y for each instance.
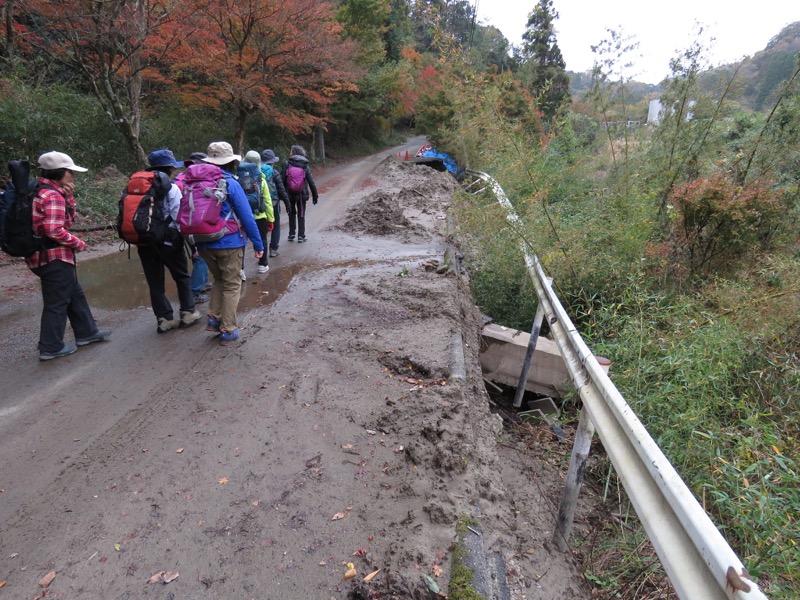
(117, 282)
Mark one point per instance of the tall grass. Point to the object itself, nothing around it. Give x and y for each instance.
(707, 361)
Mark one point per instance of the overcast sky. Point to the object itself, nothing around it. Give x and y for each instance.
(741, 28)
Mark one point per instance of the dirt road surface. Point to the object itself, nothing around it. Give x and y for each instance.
(350, 424)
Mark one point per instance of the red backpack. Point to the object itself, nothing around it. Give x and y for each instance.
(140, 215)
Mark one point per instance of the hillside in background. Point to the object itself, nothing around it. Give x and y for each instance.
(758, 81)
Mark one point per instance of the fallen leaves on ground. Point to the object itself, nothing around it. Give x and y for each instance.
(47, 579)
(431, 583)
(339, 515)
(351, 571)
(369, 577)
(437, 570)
(223, 480)
(164, 577)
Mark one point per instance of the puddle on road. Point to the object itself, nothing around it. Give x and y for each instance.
(117, 282)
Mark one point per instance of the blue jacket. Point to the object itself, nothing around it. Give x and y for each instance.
(241, 208)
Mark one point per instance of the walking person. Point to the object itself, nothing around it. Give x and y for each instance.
(199, 279)
(298, 180)
(224, 256)
(277, 192)
(170, 254)
(62, 295)
(265, 215)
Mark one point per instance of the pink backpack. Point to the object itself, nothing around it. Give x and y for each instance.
(204, 191)
(295, 179)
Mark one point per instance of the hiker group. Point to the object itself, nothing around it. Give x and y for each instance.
(203, 215)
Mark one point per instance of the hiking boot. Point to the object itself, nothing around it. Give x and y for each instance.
(201, 298)
(164, 324)
(301, 239)
(213, 324)
(101, 335)
(67, 349)
(263, 268)
(206, 288)
(273, 253)
(291, 237)
(226, 337)
(243, 275)
(189, 318)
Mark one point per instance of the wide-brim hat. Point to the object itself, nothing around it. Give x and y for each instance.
(163, 158)
(221, 153)
(253, 157)
(269, 157)
(52, 161)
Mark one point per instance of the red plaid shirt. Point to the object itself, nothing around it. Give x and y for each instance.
(53, 213)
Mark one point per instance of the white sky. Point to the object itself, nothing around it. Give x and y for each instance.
(740, 28)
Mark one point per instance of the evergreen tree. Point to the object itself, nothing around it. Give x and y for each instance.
(544, 70)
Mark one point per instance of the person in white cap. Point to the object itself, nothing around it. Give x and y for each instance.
(62, 295)
(224, 256)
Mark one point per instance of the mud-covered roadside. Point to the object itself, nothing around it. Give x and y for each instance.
(350, 425)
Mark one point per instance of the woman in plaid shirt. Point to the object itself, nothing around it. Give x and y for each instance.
(62, 294)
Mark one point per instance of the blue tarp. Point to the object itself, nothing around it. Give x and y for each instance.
(448, 161)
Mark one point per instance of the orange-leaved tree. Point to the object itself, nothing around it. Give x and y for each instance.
(287, 60)
(109, 44)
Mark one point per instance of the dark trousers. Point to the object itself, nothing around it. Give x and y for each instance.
(62, 299)
(275, 239)
(262, 230)
(297, 214)
(154, 259)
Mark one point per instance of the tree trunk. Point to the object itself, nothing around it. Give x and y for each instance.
(8, 9)
(319, 142)
(239, 122)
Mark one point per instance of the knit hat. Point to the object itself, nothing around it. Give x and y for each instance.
(221, 153)
(253, 157)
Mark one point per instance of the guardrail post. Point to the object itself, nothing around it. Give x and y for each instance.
(572, 487)
(526, 364)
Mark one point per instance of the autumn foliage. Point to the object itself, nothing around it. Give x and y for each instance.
(716, 223)
(286, 60)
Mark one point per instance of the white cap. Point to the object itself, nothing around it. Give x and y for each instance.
(52, 161)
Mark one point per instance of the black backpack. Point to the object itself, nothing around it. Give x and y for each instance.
(250, 179)
(16, 213)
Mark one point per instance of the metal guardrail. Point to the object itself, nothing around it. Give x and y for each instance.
(696, 557)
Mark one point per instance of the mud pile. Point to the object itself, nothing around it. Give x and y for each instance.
(406, 204)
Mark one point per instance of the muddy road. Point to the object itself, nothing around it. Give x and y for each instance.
(350, 424)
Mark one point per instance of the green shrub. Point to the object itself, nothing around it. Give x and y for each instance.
(35, 120)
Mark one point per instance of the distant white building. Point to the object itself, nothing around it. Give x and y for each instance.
(655, 111)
